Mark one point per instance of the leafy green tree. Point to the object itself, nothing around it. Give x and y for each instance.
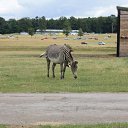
(88, 25)
(42, 24)
(52, 24)
(3, 26)
(97, 24)
(73, 21)
(61, 22)
(31, 31)
(66, 28)
(35, 23)
(13, 26)
(80, 32)
(24, 24)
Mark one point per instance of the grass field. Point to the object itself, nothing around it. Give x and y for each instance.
(99, 70)
(114, 125)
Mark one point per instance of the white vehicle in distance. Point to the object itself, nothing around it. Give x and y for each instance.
(101, 43)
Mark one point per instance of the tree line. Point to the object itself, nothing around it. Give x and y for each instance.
(89, 25)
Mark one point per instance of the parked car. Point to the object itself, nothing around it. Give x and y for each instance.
(101, 43)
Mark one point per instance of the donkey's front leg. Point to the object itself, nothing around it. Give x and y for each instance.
(53, 69)
(61, 71)
(64, 68)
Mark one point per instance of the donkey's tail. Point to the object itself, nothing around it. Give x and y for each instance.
(43, 54)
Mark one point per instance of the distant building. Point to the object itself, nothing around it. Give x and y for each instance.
(49, 31)
(24, 33)
(74, 32)
(55, 31)
(122, 33)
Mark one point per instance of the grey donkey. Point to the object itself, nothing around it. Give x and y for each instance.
(60, 54)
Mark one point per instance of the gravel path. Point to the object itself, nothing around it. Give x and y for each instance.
(65, 108)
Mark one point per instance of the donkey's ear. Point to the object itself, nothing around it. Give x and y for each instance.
(76, 62)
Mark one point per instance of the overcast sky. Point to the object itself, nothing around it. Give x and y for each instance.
(56, 8)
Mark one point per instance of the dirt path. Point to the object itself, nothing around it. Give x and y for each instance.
(67, 108)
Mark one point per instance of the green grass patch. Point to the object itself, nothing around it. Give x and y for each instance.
(2, 126)
(99, 70)
(27, 73)
(112, 125)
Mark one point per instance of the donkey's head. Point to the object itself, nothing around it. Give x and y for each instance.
(74, 68)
